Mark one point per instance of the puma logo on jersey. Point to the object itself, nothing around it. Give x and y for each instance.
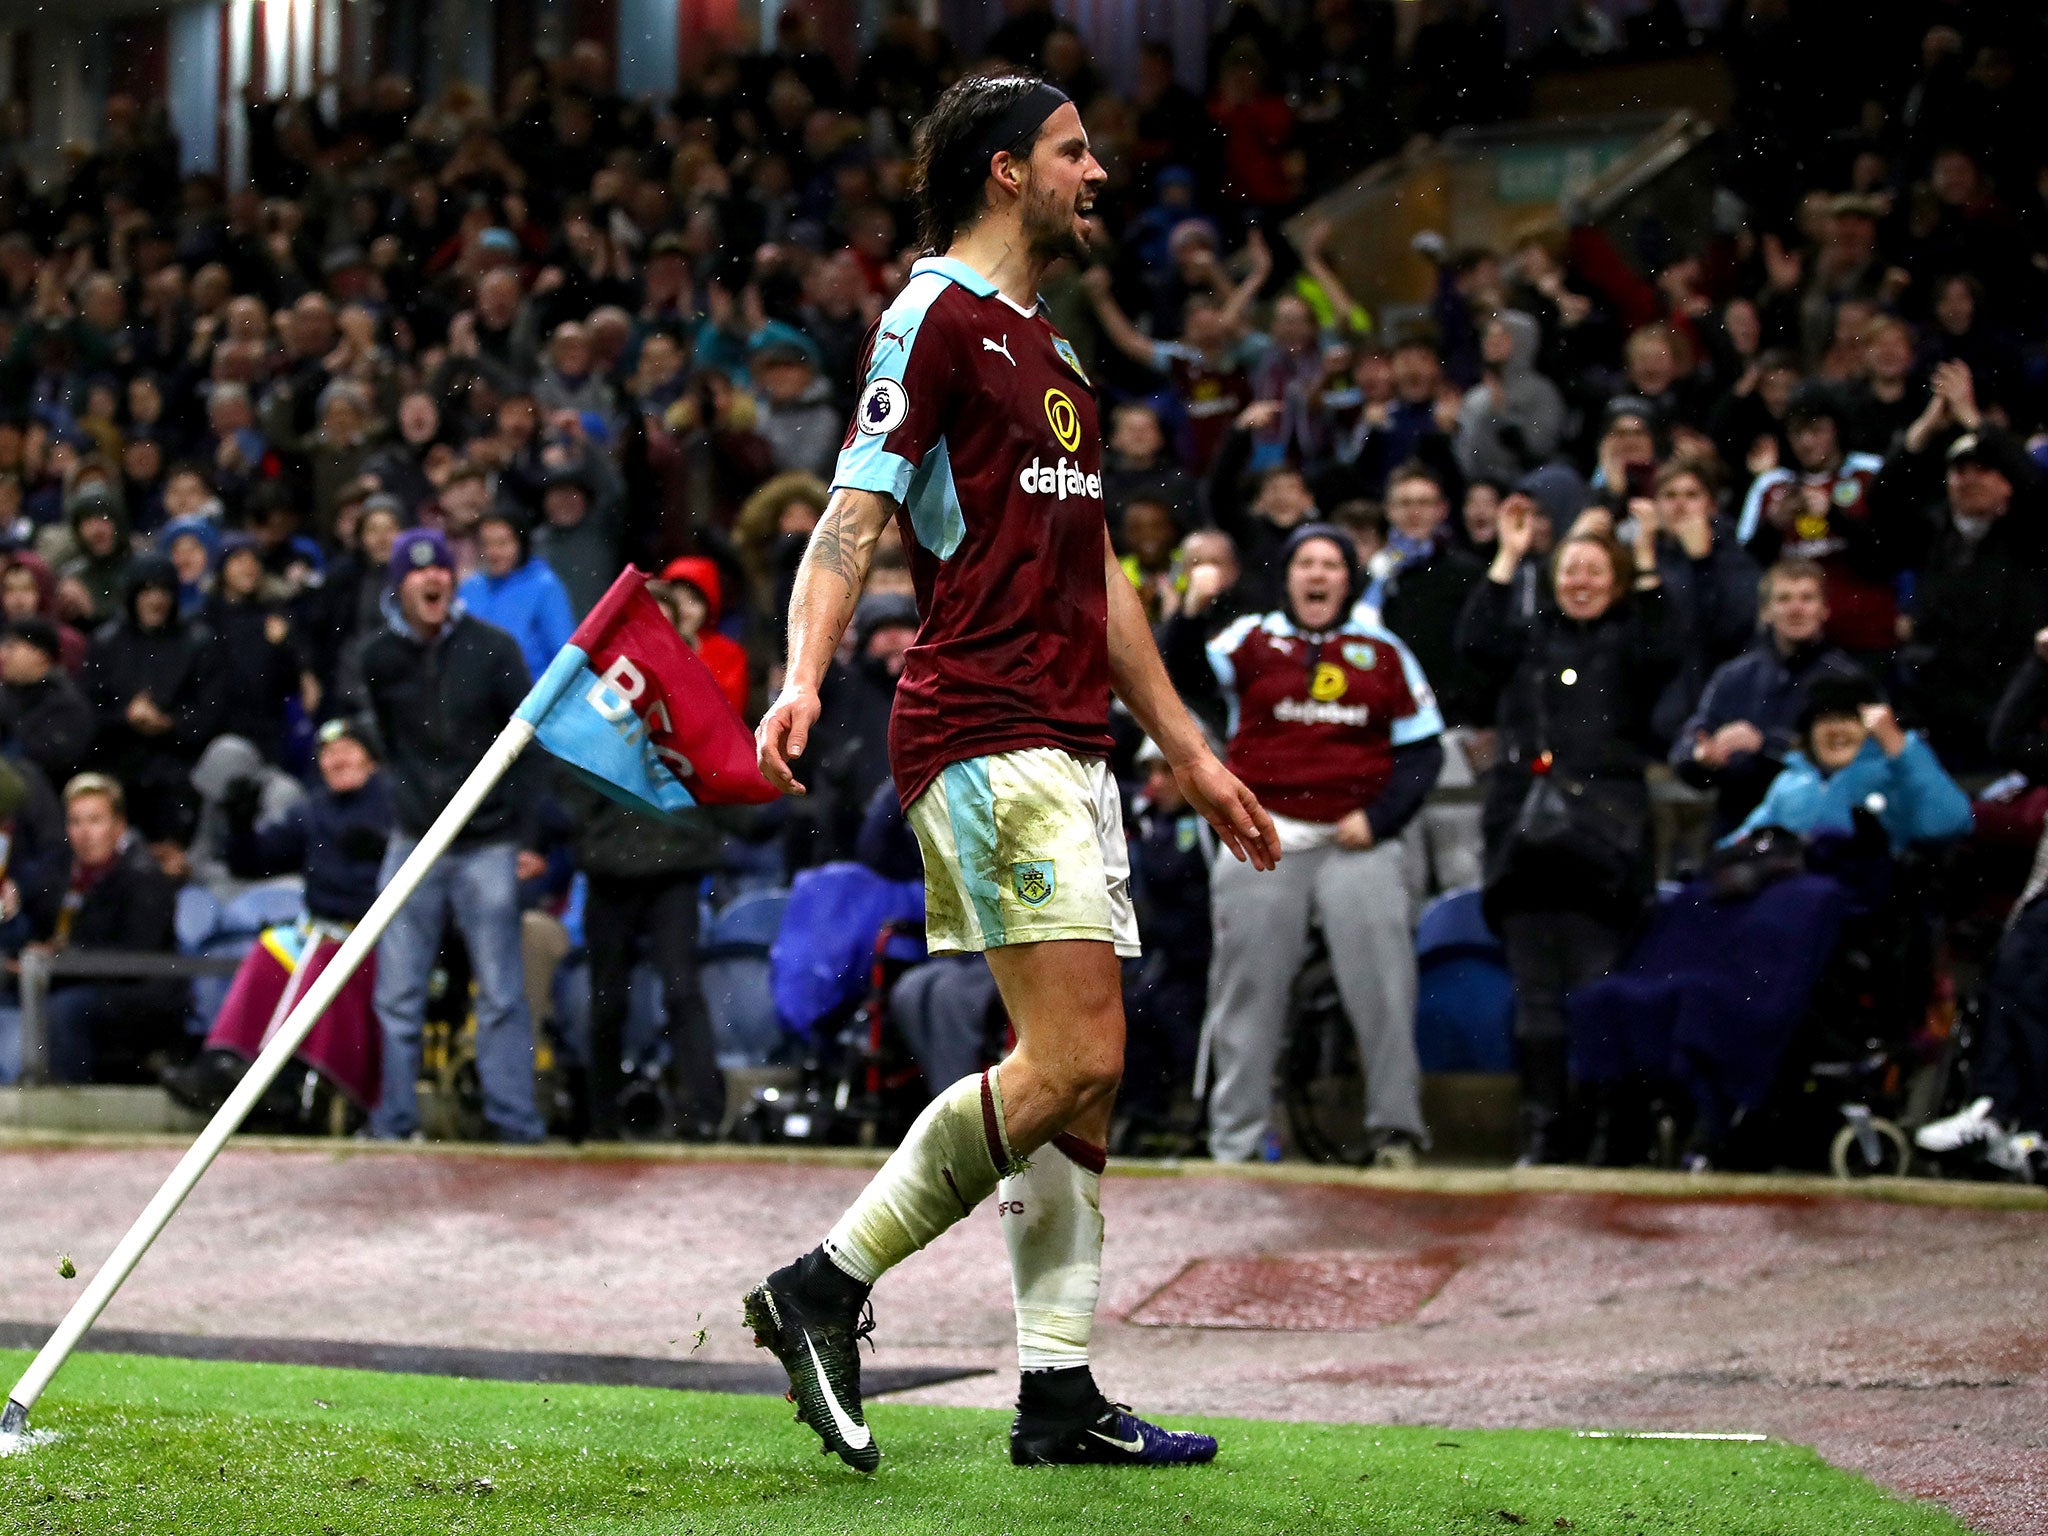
(1004, 348)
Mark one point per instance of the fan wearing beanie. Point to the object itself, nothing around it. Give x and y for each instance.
(1337, 733)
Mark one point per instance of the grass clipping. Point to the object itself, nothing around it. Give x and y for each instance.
(202, 1447)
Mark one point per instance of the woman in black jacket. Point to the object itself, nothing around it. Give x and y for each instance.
(261, 662)
(159, 695)
(1578, 679)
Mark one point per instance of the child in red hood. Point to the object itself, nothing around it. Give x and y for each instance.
(693, 602)
(33, 595)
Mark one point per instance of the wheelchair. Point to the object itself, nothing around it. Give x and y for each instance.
(1322, 1089)
(857, 1082)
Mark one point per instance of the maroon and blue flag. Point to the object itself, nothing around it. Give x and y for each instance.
(630, 708)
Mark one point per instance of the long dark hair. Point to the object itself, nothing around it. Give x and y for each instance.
(950, 176)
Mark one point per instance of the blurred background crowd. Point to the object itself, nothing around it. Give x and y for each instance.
(1730, 534)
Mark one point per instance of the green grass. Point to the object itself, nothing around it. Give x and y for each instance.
(161, 1446)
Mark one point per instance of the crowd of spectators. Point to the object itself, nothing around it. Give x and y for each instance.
(313, 446)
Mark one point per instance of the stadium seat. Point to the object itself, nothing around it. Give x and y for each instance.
(196, 918)
(734, 973)
(748, 925)
(1465, 998)
(271, 904)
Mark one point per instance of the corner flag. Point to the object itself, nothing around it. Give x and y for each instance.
(630, 709)
(628, 705)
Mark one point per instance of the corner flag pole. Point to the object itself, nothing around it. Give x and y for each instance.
(297, 1025)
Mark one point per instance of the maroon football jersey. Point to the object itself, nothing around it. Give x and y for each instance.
(1210, 397)
(975, 416)
(1776, 525)
(1315, 718)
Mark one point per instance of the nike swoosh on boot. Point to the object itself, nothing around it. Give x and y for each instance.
(855, 1435)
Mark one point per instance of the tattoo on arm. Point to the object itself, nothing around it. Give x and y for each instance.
(835, 568)
(835, 548)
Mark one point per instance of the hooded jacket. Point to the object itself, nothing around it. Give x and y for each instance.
(726, 658)
(73, 643)
(175, 664)
(529, 603)
(105, 577)
(261, 674)
(192, 595)
(1506, 440)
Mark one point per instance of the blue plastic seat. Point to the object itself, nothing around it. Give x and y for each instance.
(747, 926)
(1465, 997)
(269, 905)
(196, 917)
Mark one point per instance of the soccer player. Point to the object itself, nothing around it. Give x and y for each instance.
(976, 430)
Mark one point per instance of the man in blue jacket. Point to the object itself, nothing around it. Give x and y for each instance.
(1748, 718)
(516, 592)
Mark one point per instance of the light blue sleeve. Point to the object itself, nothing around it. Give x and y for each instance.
(1426, 720)
(1165, 352)
(1753, 503)
(1936, 807)
(554, 623)
(898, 400)
(1222, 653)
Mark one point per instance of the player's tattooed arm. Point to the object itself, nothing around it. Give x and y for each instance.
(828, 584)
(843, 543)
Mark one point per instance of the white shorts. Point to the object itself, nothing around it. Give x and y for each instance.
(1022, 847)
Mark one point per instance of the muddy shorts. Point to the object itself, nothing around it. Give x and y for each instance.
(1022, 847)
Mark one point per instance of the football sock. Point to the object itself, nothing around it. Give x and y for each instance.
(1069, 1393)
(950, 1162)
(1052, 1222)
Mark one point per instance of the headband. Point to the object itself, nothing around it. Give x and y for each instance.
(1024, 115)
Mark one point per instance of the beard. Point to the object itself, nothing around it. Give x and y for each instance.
(1049, 226)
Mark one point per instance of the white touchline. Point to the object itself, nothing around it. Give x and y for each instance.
(855, 1435)
(1658, 1434)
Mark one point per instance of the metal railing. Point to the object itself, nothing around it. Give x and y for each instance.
(40, 967)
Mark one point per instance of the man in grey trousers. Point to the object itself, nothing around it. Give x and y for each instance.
(1337, 733)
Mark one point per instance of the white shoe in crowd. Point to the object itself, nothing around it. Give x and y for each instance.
(1972, 1126)
(1975, 1127)
(2020, 1153)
